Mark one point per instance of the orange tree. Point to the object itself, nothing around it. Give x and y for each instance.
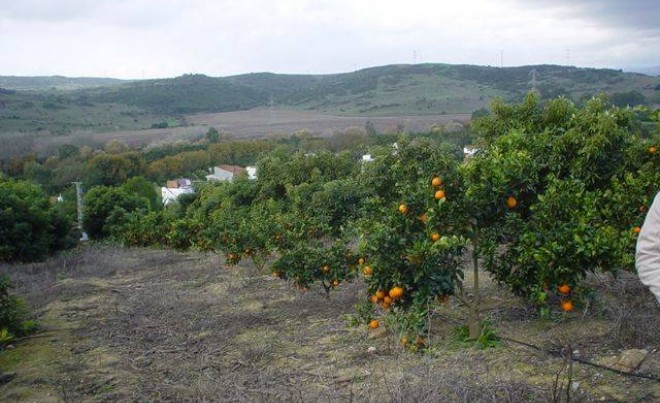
(414, 233)
(328, 262)
(587, 178)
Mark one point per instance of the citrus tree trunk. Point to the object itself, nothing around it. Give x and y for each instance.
(474, 320)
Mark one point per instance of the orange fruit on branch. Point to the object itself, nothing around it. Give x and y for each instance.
(440, 194)
(567, 306)
(511, 202)
(374, 324)
(368, 271)
(653, 149)
(380, 294)
(435, 236)
(437, 182)
(636, 230)
(403, 209)
(564, 288)
(396, 292)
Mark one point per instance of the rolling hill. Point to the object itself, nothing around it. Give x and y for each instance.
(420, 89)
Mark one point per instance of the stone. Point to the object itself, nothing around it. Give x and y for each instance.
(631, 359)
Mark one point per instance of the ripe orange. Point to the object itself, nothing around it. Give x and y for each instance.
(374, 324)
(653, 149)
(564, 288)
(403, 209)
(374, 299)
(396, 292)
(511, 202)
(325, 269)
(567, 306)
(335, 283)
(435, 236)
(380, 294)
(361, 260)
(368, 271)
(636, 230)
(386, 305)
(387, 300)
(423, 218)
(437, 182)
(440, 194)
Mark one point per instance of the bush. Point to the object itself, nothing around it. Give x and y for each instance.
(13, 314)
(30, 227)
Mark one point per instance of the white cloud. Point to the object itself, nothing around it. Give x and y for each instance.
(149, 38)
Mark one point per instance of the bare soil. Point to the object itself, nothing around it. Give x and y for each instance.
(153, 325)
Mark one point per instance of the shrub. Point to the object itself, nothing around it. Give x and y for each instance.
(30, 227)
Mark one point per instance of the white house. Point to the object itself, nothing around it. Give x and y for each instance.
(174, 188)
(170, 195)
(469, 151)
(225, 173)
(252, 172)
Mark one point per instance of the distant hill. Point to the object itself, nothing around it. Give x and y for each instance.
(54, 82)
(101, 104)
(387, 90)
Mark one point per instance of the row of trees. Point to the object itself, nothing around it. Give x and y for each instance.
(116, 162)
(555, 192)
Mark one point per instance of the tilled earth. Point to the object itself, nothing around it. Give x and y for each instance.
(153, 325)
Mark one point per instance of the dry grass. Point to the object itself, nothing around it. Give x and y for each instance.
(140, 324)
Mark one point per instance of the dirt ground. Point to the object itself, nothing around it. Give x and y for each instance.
(153, 325)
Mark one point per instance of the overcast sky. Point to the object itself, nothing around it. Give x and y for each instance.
(167, 38)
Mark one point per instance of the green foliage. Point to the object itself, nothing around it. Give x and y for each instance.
(66, 151)
(487, 339)
(212, 135)
(114, 169)
(312, 261)
(30, 227)
(629, 98)
(582, 179)
(139, 186)
(13, 313)
(107, 209)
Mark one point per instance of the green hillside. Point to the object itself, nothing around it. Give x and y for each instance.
(420, 89)
(386, 90)
(54, 83)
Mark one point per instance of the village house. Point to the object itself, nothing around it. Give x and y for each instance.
(175, 188)
(228, 172)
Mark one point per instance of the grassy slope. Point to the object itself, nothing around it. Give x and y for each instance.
(423, 89)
